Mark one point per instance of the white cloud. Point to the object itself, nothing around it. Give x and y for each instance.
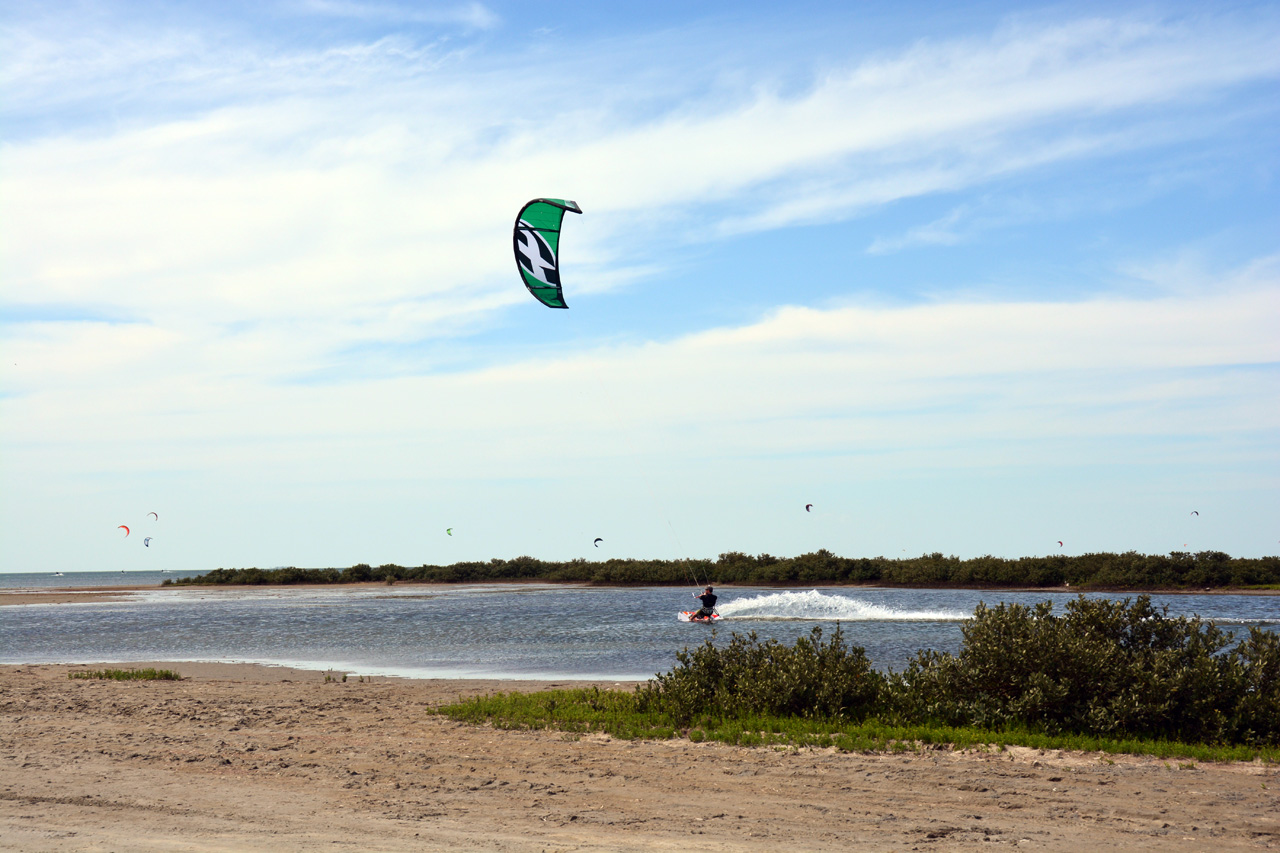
(855, 393)
(348, 205)
(801, 376)
(468, 14)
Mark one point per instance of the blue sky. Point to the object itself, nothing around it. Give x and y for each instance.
(971, 281)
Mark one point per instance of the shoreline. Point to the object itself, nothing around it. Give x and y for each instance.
(253, 758)
(266, 673)
(257, 672)
(87, 595)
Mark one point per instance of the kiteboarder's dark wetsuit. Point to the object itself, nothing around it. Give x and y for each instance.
(708, 605)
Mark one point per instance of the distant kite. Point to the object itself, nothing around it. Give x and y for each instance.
(1059, 543)
(808, 507)
(147, 542)
(154, 515)
(449, 530)
(1193, 512)
(598, 541)
(124, 528)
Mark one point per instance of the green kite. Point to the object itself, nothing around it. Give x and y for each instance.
(537, 245)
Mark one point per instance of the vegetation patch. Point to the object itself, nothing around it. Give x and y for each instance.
(1106, 676)
(127, 674)
(1130, 570)
(578, 711)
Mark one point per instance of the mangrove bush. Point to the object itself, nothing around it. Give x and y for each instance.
(826, 680)
(1130, 570)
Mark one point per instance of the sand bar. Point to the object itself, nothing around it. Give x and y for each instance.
(71, 595)
(250, 758)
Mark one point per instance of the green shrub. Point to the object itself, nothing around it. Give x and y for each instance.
(1256, 665)
(1107, 668)
(813, 678)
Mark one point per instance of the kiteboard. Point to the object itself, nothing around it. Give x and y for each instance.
(688, 616)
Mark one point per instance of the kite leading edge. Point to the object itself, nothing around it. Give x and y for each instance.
(537, 245)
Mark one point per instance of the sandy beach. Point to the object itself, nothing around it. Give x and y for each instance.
(240, 757)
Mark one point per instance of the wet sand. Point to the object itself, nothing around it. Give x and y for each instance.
(246, 758)
(70, 595)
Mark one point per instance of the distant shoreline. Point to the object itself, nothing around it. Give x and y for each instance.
(1129, 571)
(97, 594)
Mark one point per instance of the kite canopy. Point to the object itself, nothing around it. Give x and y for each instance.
(154, 515)
(597, 542)
(808, 507)
(147, 541)
(124, 528)
(537, 244)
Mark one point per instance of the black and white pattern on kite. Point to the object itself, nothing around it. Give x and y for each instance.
(535, 255)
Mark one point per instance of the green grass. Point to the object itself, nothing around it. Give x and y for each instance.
(128, 674)
(578, 710)
(616, 713)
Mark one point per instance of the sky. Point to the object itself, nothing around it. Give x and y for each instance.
(973, 281)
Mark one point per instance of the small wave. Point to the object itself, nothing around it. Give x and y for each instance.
(1246, 621)
(821, 606)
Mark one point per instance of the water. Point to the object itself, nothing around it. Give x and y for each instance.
(503, 631)
(45, 581)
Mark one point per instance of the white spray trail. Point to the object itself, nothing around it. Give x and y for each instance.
(821, 606)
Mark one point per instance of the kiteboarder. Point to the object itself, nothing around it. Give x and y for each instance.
(708, 600)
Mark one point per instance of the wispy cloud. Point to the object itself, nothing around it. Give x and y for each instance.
(940, 232)
(369, 196)
(101, 73)
(468, 14)
(1037, 370)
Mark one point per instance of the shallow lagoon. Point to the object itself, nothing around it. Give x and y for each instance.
(508, 631)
